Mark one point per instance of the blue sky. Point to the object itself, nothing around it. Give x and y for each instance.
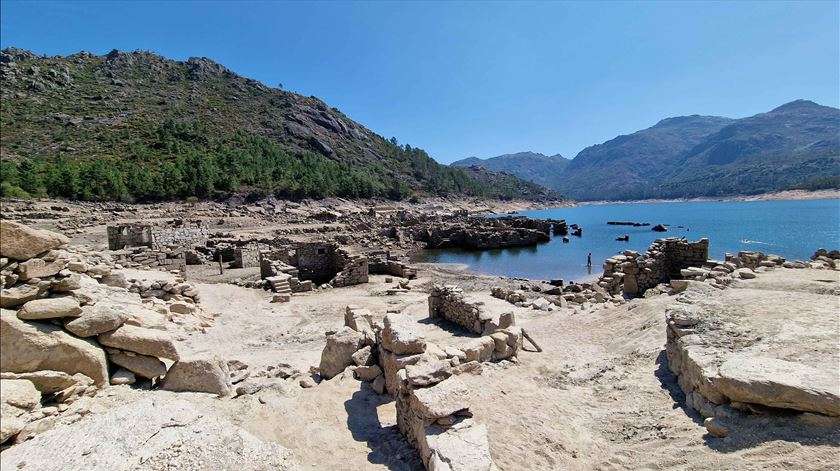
(463, 79)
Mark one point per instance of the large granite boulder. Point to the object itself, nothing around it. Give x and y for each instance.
(22, 242)
(47, 381)
(19, 393)
(199, 374)
(33, 346)
(141, 365)
(50, 308)
(96, 320)
(338, 352)
(135, 339)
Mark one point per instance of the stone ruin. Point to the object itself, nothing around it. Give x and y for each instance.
(298, 268)
(632, 274)
(432, 402)
(145, 245)
(176, 234)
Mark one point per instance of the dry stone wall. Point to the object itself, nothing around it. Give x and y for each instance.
(632, 274)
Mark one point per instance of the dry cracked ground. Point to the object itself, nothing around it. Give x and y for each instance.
(599, 396)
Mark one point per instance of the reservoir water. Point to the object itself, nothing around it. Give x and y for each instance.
(792, 229)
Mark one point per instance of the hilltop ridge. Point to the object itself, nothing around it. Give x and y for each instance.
(140, 126)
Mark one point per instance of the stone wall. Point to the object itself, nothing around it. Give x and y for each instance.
(353, 268)
(145, 235)
(246, 257)
(140, 257)
(129, 235)
(632, 274)
(448, 302)
(316, 261)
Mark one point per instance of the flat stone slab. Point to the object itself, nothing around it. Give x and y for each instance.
(779, 383)
(152, 433)
(771, 340)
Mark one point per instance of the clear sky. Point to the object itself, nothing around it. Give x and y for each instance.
(464, 79)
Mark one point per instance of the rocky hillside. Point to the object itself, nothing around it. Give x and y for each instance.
(139, 126)
(531, 166)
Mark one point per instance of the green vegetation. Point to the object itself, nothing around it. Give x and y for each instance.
(138, 127)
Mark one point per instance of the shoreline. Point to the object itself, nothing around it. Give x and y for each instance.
(788, 195)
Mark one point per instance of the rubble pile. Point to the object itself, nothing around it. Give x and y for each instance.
(73, 323)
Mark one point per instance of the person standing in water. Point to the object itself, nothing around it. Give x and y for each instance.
(589, 260)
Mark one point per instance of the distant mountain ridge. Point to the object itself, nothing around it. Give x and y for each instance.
(796, 145)
(531, 166)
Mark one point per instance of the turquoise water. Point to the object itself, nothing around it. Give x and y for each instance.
(793, 229)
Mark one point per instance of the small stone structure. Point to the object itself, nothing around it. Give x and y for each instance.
(179, 234)
(314, 262)
(448, 302)
(246, 257)
(633, 274)
(129, 235)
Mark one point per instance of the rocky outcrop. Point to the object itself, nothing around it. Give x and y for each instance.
(165, 433)
(30, 346)
(22, 242)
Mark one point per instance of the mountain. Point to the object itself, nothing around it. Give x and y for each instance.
(629, 166)
(531, 166)
(796, 145)
(135, 125)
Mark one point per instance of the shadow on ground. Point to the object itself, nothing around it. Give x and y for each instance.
(388, 447)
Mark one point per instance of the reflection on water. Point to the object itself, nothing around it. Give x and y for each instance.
(793, 229)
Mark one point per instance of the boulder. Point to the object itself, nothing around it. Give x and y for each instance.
(50, 308)
(141, 365)
(779, 383)
(46, 381)
(39, 268)
(70, 283)
(199, 374)
(10, 425)
(22, 242)
(19, 393)
(367, 373)
(122, 376)
(363, 357)
(135, 339)
(13, 297)
(33, 346)
(338, 352)
(96, 320)
(400, 337)
(745, 273)
(715, 427)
